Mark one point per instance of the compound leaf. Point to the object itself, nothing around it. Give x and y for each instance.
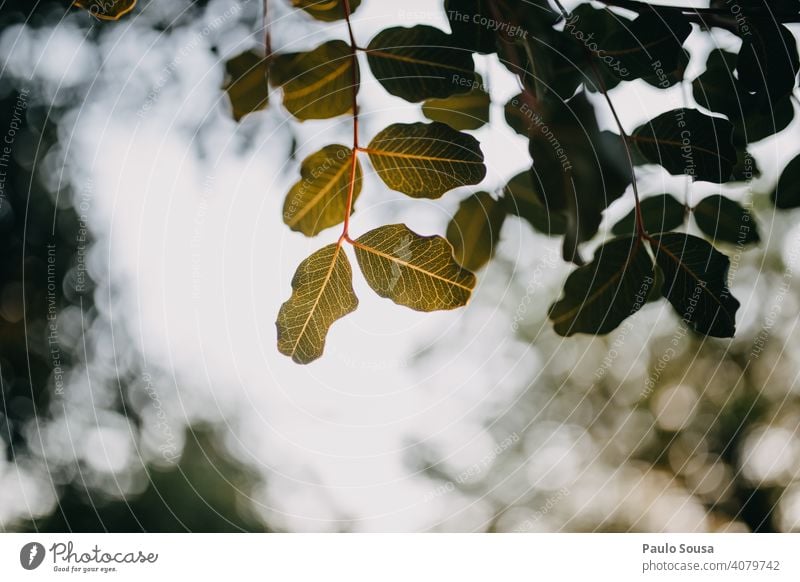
(319, 200)
(426, 160)
(412, 270)
(322, 292)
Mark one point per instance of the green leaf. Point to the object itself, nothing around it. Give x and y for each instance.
(317, 84)
(420, 63)
(246, 83)
(768, 61)
(426, 160)
(685, 141)
(724, 220)
(326, 10)
(695, 283)
(577, 169)
(523, 200)
(475, 230)
(322, 292)
(601, 295)
(717, 89)
(464, 111)
(787, 193)
(319, 200)
(412, 270)
(106, 9)
(659, 213)
(649, 48)
(465, 22)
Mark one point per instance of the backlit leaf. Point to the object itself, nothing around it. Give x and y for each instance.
(317, 84)
(420, 63)
(602, 294)
(412, 270)
(326, 10)
(464, 111)
(475, 230)
(319, 199)
(685, 141)
(246, 83)
(724, 220)
(106, 9)
(426, 160)
(659, 213)
(322, 292)
(695, 283)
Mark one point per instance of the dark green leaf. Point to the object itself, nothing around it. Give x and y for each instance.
(601, 295)
(724, 220)
(717, 89)
(649, 48)
(464, 111)
(420, 63)
(695, 283)
(659, 213)
(768, 61)
(246, 83)
(787, 192)
(685, 141)
(317, 84)
(524, 201)
(465, 22)
(577, 169)
(475, 230)
(426, 160)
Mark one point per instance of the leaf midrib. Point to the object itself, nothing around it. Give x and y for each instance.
(322, 289)
(401, 262)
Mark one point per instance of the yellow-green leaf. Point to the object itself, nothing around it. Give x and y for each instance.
(412, 270)
(319, 200)
(246, 83)
(326, 10)
(475, 230)
(106, 9)
(465, 111)
(322, 293)
(426, 160)
(317, 84)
